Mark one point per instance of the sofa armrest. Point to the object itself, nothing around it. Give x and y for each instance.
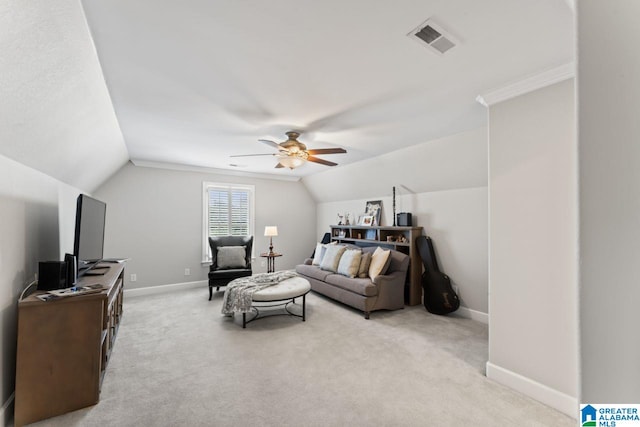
(390, 290)
(308, 261)
(392, 279)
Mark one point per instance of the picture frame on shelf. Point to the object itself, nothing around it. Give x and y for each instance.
(374, 208)
(370, 234)
(366, 220)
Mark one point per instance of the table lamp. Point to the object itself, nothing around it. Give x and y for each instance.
(270, 231)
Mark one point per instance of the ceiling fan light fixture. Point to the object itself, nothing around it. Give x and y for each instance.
(291, 162)
(293, 153)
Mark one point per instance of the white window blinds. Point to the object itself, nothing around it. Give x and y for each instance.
(228, 211)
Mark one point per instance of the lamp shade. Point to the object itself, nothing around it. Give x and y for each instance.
(291, 162)
(271, 230)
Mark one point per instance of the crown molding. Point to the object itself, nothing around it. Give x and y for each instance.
(202, 169)
(529, 84)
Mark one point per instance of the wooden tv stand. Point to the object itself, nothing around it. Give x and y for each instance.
(64, 346)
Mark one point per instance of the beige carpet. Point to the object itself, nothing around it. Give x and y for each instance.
(178, 362)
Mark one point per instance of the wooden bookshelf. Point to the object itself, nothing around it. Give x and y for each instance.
(402, 239)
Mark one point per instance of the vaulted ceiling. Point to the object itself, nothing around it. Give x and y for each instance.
(196, 81)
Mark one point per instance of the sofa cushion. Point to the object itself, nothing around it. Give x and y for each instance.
(332, 257)
(365, 262)
(359, 286)
(312, 271)
(379, 262)
(350, 262)
(231, 257)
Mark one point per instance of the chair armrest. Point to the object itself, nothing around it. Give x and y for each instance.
(308, 261)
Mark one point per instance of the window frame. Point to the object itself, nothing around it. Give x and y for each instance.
(206, 186)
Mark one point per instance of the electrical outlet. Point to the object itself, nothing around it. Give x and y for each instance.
(134, 277)
(187, 272)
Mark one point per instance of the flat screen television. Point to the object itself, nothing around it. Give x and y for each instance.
(88, 244)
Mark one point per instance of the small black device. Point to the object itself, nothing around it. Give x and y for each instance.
(404, 219)
(52, 275)
(72, 269)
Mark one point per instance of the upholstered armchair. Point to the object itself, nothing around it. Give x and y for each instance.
(230, 259)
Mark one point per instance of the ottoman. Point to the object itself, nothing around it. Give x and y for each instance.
(282, 294)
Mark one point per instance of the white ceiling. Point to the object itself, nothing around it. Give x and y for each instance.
(195, 81)
(192, 82)
(55, 112)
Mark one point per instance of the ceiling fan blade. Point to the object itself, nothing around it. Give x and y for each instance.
(321, 161)
(252, 155)
(271, 143)
(279, 165)
(327, 151)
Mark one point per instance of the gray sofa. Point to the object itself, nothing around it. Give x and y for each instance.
(385, 292)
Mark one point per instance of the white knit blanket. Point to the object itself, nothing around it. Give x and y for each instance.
(239, 292)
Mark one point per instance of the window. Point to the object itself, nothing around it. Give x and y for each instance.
(227, 211)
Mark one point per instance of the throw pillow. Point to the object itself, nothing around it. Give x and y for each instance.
(232, 257)
(319, 253)
(365, 262)
(350, 262)
(332, 257)
(378, 261)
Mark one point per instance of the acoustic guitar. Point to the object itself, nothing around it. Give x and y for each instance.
(439, 296)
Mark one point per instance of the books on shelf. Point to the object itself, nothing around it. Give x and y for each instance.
(68, 292)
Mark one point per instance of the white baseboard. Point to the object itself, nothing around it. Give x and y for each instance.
(6, 413)
(151, 290)
(473, 314)
(540, 392)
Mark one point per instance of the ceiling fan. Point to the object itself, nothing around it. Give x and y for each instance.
(293, 153)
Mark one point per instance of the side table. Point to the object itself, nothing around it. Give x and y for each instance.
(270, 256)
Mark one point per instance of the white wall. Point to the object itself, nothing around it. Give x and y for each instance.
(32, 230)
(609, 150)
(442, 183)
(154, 216)
(453, 162)
(53, 96)
(533, 245)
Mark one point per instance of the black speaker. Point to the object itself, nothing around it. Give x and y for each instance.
(52, 275)
(403, 219)
(72, 270)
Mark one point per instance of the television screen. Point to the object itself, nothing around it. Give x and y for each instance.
(89, 234)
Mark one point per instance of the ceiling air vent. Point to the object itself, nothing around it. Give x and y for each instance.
(433, 36)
